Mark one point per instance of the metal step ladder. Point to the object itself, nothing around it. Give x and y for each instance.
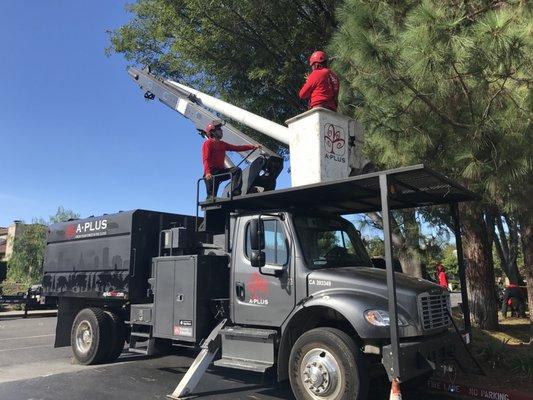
(210, 348)
(249, 349)
(141, 341)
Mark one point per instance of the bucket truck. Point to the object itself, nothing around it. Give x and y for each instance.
(277, 279)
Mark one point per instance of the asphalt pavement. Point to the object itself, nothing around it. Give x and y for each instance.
(30, 368)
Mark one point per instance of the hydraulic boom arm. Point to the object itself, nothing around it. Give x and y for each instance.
(264, 166)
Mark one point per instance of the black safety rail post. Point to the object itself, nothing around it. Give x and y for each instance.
(27, 303)
(454, 208)
(391, 279)
(212, 191)
(197, 201)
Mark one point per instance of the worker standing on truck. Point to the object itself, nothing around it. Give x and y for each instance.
(322, 84)
(213, 155)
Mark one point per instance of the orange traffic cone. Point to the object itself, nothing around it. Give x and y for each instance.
(395, 393)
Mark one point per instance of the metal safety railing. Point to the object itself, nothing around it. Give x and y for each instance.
(213, 196)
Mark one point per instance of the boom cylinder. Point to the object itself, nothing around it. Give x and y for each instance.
(260, 124)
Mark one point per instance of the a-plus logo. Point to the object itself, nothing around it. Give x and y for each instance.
(86, 229)
(334, 142)
(258, 287)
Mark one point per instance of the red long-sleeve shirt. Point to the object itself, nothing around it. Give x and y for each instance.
(321, 88)
(214, 151)
(443, 280)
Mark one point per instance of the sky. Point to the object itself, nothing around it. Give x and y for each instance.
(75, 131)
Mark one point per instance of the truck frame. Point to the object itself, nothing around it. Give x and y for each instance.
(277, 279)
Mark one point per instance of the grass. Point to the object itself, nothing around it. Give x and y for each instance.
(505, 355)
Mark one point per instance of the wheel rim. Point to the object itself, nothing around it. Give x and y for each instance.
(320, 374)
(84, 337)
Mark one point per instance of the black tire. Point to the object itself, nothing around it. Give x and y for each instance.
(117, 337)
(327, 346)
(95, 347)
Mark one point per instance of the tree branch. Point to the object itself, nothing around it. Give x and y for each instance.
(430, 104)
(466, 92)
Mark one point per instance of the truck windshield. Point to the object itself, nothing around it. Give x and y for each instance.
(330, 242)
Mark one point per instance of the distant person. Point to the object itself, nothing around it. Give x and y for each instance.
(322, 85)
(514, 292)
(441, 275)
(213, 156)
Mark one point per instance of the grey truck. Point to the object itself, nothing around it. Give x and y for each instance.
(279, 279)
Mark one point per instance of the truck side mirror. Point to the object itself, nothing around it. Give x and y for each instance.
(257, 258)
(257, 234)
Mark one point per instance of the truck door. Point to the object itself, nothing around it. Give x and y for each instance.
(263, 298)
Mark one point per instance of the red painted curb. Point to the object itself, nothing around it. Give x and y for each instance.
(476, 392)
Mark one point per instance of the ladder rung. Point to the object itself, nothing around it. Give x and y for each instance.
(140, 334)
(137, 351)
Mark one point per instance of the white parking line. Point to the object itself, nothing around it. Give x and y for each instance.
(29, 347)
(27, 337)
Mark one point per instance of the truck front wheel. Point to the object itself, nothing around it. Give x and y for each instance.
(325, 364)
(89, 336)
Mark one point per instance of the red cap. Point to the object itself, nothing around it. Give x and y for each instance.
(212, 126)
(317, 57)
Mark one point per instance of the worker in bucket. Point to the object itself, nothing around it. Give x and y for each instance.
(322, 85)
(213, 155)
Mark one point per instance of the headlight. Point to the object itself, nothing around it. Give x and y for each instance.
(381, 318)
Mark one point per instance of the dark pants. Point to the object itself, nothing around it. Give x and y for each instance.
(212, 185)
(518, 294)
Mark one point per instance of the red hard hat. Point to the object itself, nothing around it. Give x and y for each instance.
(212, 126)
(318, 57)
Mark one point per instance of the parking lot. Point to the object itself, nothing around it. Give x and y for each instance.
(30, 368)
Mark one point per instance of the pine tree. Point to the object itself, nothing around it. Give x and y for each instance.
(446, 83)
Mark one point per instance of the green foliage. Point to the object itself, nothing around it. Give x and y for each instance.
(374, 247)
(449, 260)
(326, 241)
(25, 264)
(63, 215)
(446, 83)
(250, 53)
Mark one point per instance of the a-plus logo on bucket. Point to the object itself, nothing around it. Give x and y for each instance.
(334, 143)
(86, 229)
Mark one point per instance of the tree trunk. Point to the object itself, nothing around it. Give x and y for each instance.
(506, 244)
(514, 273)
(406, 241)
(479, 268)
(526, 234)
(410, 256)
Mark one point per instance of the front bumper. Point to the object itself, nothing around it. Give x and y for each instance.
(419, 357)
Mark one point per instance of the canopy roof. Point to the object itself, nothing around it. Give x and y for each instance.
(413, 186)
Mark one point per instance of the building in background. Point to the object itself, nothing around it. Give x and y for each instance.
(7, 236)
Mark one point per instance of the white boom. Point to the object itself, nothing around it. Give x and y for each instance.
(260, 124)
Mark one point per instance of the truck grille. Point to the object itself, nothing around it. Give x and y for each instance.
(433, 309)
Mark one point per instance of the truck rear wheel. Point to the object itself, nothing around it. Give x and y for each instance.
(325, 364)
(89, 336)
(118, 336)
